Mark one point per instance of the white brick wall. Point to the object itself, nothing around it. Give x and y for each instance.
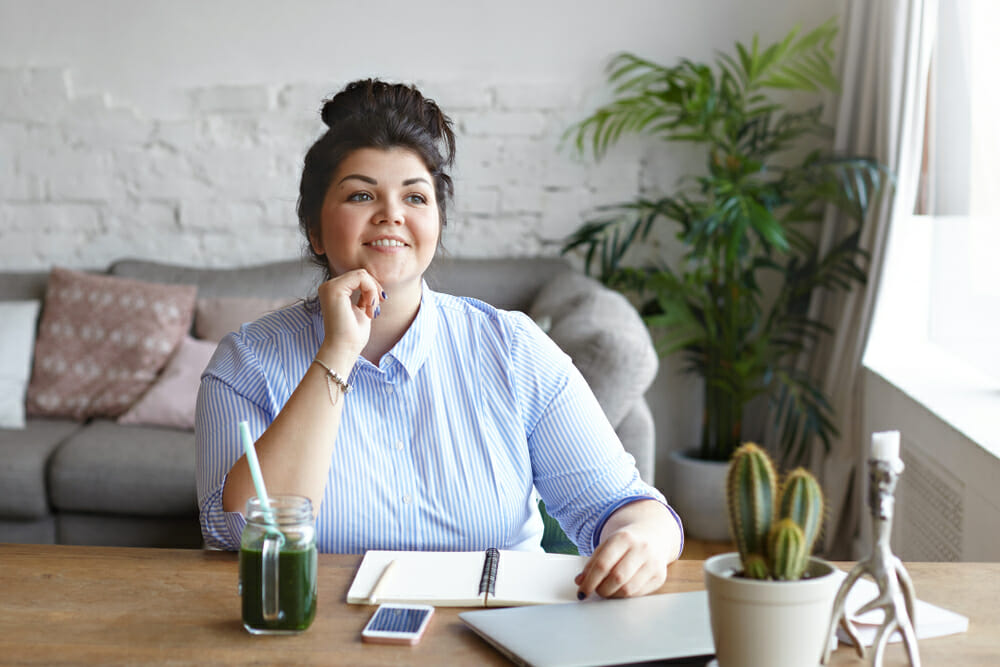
(248, 99)
(185, 140)
(84, 181)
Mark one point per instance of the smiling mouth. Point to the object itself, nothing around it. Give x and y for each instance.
(387, 243)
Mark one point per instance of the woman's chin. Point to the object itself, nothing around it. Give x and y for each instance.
(389, 277)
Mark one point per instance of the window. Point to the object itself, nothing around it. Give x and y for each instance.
(963, 184)
(936, 328)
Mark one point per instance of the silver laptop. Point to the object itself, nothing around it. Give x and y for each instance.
(601, 632)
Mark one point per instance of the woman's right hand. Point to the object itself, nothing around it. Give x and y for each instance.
(347, 321)
(295, 449)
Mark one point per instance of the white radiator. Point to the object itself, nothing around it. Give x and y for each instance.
(929, 508)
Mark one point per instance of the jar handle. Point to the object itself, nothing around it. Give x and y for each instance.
(269, 576)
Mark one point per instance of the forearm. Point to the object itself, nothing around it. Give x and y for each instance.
(638, 541)
(295, 450)
(649, 519)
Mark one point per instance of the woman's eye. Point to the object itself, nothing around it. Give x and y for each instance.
(360, 196)
(416, 199)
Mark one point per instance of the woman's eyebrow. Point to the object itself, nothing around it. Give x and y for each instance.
(372, 181)
(360, 177)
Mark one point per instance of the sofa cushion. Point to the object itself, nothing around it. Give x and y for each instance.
(18, 320)
(277, 280)
(171, 400)
(101, 342)
(510, 284)
(562, 295)
(22, 285)
(128, 470)
(128, 531)
(24, 455)
(31, 531)
(637, 429)
(214, 317)
(604, 335)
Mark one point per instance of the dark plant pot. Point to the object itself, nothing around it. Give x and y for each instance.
(697, 492)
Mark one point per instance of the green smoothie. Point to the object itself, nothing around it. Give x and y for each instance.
(296, 590)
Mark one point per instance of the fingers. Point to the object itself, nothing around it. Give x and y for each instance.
(349, 303)
(622, 566)
(369, 291)
(610, 571)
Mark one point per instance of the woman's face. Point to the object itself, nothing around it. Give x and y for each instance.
(380, 214)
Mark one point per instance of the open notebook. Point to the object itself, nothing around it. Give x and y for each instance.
(490, 578)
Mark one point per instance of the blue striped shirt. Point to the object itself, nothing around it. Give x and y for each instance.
(441, 446)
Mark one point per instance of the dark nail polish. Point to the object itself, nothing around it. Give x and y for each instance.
(377, 311)
(580, 595)
(384, 295)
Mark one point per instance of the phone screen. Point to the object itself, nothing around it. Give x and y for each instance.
(397, 619)
(397, 624)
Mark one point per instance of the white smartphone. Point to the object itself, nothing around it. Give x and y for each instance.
(397, 624)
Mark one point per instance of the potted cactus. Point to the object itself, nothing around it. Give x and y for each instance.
(771, 602)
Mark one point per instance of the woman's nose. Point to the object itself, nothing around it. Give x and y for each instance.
(390, 211)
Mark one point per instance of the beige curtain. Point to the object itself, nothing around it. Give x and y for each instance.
(885, 62)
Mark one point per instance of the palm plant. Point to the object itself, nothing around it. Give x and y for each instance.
(747, 222)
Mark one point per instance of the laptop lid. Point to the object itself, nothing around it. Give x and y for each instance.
(600, 632)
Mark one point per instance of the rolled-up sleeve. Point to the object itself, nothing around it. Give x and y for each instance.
(220, 409)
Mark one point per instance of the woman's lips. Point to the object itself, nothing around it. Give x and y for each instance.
(386, 243)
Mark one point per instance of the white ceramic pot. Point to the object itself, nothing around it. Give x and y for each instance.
(698, 493)
(772, 623)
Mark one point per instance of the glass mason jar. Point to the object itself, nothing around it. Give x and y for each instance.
(278, 566)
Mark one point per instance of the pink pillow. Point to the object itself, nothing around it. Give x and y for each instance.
(215, 317)
(101, 342)
(170, 401)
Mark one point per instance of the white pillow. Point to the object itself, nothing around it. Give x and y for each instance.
(18, 320)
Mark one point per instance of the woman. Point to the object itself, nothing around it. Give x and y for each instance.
(412, 419)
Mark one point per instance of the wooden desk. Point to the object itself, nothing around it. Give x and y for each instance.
(117, 606)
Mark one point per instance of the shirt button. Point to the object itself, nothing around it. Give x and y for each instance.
(406, 498)
(399, 445)
(388, 389)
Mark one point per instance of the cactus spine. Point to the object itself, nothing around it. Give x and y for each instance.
(774, 533)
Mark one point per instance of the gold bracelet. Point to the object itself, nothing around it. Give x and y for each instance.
(333, 377)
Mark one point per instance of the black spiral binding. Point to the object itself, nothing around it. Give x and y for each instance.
(488, 580)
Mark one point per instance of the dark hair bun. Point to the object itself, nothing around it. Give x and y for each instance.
(361, 101)
(348, 102)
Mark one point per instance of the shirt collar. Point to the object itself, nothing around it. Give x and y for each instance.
(414, 347)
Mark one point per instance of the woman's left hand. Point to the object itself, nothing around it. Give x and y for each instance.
(637, 543)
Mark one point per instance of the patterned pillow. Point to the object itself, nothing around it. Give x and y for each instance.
(101, 342)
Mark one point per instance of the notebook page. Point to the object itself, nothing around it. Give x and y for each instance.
(440, 578)
(527, 577)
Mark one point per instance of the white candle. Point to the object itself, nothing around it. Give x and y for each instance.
(885, 446)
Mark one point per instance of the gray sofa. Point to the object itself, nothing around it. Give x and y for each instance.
(104, 483)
